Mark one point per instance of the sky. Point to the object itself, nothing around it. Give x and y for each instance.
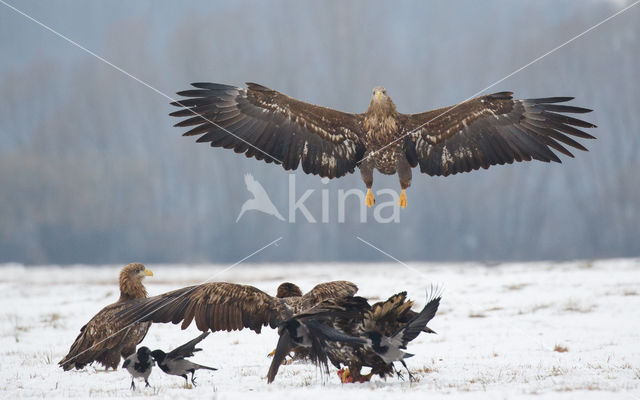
(92, 170)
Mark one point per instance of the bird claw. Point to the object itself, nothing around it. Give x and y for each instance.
(370, 199)
(345, 375)
(403, 199)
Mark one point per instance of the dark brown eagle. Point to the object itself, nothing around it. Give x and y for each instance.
(484, 131)
(118, 328)
(106, 337)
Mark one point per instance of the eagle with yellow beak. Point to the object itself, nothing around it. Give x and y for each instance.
(478, 133)
(106, 338)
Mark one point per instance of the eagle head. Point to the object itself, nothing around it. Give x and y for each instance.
(381, 102)
(379, 94)
(288, 289)
(131, 286)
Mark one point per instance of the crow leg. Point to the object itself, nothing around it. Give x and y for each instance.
(147, 383)
(133, 385)
(408, 372)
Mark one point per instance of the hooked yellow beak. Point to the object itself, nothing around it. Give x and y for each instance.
(378, 95)
(148, 272)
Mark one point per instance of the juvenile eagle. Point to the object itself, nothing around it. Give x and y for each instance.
(484, 131)
(105, 337)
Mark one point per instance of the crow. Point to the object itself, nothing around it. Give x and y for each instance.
(174, 363)
(390, 348)
(139, 365)
(350, 332)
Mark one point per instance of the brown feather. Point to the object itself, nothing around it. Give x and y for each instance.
(229, 306)
(490, 130)
(105, 338)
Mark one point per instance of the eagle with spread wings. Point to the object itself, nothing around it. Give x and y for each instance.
(118, 328)
(480, 132)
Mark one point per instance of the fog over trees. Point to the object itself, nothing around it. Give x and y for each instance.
(92, 171)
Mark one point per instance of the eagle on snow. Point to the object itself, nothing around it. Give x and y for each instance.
(480, 132)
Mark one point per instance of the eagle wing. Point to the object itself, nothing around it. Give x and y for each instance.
(327, 291)
(270, 126)
(489, 130)
(219, 306)
(104, 338)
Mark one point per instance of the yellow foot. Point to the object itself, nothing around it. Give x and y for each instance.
(403, 199)
(272, 353)
(345, 375)
(369, 199)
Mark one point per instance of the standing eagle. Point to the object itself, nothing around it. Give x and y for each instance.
(118, 328)
(484, 131)
(105, 337)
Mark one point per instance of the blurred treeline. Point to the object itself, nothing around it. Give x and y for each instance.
(92, 171)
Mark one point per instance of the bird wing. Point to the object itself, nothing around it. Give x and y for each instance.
(282, 349)
(417, 325)
(273, 127)
(329, 333)
(216, 305)
(489, 130)
(103, 338)
(187, 349)
(326, 291)
(343, 311)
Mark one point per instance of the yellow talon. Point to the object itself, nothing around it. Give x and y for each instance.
(345, 376)
(403, 199)
(369, 199)
(272, 353)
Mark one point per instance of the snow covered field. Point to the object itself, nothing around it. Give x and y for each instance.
(543, 330)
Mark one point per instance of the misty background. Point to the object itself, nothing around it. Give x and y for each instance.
(92, 171)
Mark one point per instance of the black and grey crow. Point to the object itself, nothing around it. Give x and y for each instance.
(390, 348)
(139, 365)
(174, 363)
(310, 330)
(350, 332)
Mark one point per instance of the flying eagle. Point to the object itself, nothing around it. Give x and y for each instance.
(484, 131)
(105, 337)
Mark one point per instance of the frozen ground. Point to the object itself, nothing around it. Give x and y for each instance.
(541, 330)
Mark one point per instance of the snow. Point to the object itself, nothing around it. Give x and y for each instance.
(497, 329)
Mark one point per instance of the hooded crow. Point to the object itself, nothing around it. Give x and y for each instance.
(311, 332)
(174, 363)
(139, 365)
(349, 332)
(390, 348)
